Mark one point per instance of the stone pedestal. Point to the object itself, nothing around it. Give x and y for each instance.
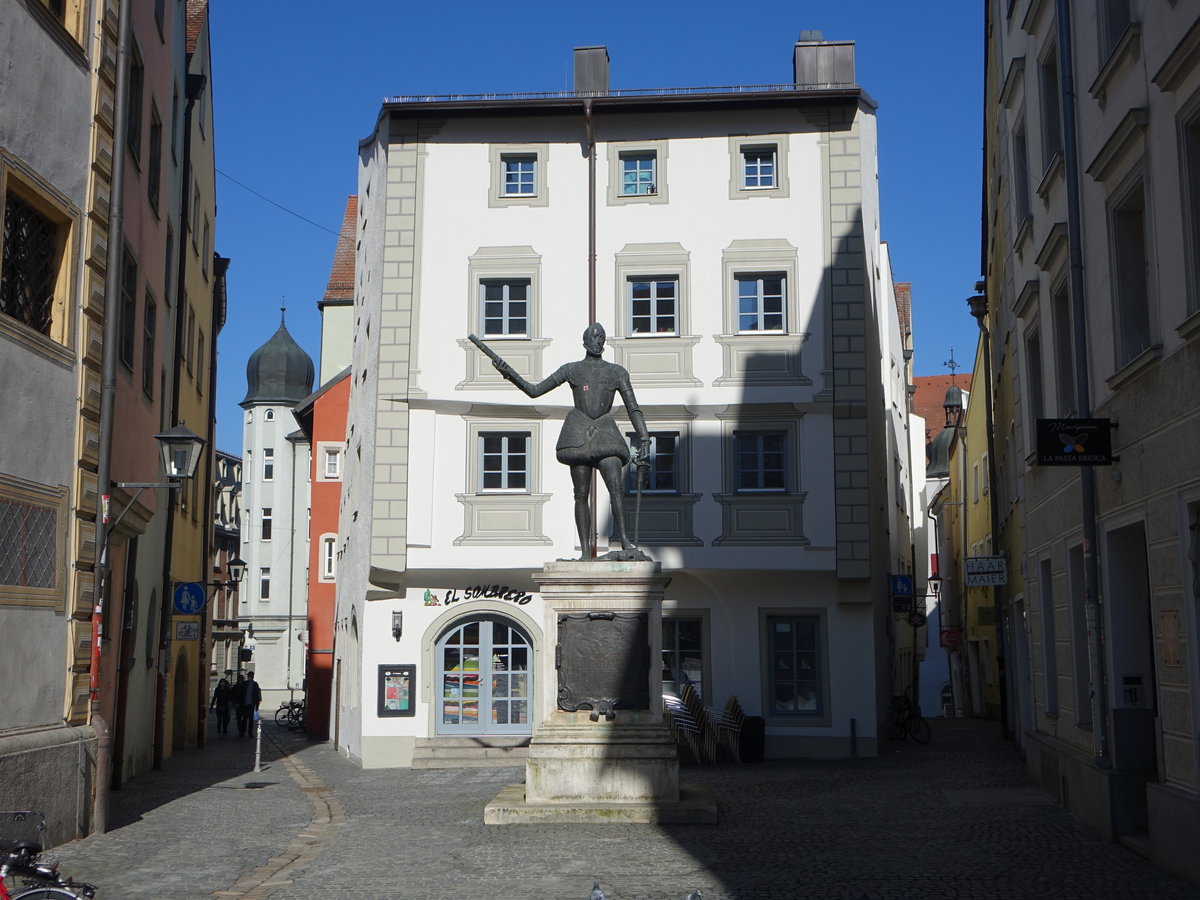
(602, 752)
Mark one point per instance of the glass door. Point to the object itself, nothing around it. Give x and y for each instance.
(485, 670)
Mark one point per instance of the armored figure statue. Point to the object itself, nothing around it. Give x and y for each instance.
(590, 438)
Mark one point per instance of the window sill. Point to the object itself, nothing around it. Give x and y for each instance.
(1189, 327)
(1054, 170)
(35, 340)
(1128, 48)
(1142, 361)
(1023, 233)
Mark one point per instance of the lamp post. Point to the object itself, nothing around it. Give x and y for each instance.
(979, 309)
(179, 452)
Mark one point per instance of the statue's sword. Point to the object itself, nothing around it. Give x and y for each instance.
(637, 509)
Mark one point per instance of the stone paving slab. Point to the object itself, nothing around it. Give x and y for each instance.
(953, 819)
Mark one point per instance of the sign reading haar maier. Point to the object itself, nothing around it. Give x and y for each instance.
(985, 571)
(1074, 442)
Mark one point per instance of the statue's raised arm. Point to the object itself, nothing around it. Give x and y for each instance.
(590, 438)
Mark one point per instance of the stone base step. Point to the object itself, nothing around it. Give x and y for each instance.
(490, 751)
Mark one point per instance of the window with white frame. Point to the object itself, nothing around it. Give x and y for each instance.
(504, 462)
(1049, 638)
(265, 524)
(333, 462)
(504, 307)
(639, 171)
(1114, 18)
(518, 175)
(683, 653)
(759, 167)
(268, 464)
(1190, 152)
(264, 583)
(328, 557)
(1130, 272)
(1033, 375)
(1051, 106)
(795, 666)
(1020, 166)
(653, 305)
(760, 461)
(663, 474)
(761, 302)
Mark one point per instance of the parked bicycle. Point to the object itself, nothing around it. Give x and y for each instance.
(907, 723)
(23, 860)
(290, 713)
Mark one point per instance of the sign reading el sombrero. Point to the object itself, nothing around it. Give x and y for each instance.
(1074, 442)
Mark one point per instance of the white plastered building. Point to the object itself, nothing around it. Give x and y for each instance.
(741, 279)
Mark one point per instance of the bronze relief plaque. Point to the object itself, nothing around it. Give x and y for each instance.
(603, 662)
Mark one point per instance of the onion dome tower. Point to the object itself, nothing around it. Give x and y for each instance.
(279, 371)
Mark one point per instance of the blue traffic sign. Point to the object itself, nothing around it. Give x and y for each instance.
(189, 598)
(902, 586)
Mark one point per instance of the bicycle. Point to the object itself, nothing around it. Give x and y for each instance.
(25, 859)
(290, 713)
(907, 723)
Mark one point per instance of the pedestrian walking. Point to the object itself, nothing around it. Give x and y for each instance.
(249, 696)
(238, 693)
(221, 702)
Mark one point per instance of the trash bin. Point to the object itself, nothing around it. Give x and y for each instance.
(752, 745)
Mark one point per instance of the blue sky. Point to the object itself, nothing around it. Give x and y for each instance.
(297, 85)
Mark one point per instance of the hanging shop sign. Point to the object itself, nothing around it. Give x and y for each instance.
(985, 571)
(1074, 442)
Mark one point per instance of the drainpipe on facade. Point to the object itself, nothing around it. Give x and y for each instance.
(590, 126)
(1087, 474)
(108, 390)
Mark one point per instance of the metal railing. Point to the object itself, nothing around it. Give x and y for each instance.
(621, 92)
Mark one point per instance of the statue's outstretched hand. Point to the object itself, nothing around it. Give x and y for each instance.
(506, 371)
(641, 455)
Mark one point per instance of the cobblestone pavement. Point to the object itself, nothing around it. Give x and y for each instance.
(953, 819)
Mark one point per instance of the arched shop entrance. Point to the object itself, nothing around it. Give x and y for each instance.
(485, 677)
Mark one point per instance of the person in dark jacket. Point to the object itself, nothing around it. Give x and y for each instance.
(248, 695)
(222, 700)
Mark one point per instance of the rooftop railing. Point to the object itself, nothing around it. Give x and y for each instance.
(622, 92)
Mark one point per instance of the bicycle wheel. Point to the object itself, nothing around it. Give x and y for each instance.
(919, 729)
(46, 893)
(283, 715)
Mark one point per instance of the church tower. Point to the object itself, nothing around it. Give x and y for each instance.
(275, 464)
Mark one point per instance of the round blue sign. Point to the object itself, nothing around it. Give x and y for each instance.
(189, 598)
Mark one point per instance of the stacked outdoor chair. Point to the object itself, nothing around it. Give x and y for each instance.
(708, 730)
(728, 722)
(684, 728)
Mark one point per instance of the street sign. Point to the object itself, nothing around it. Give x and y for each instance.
(916, 618)
(950, 638)
(902, 586)
(985, 571)
(189, 598)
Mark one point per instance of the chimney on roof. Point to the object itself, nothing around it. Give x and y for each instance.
(817, 61)
(591, 70)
